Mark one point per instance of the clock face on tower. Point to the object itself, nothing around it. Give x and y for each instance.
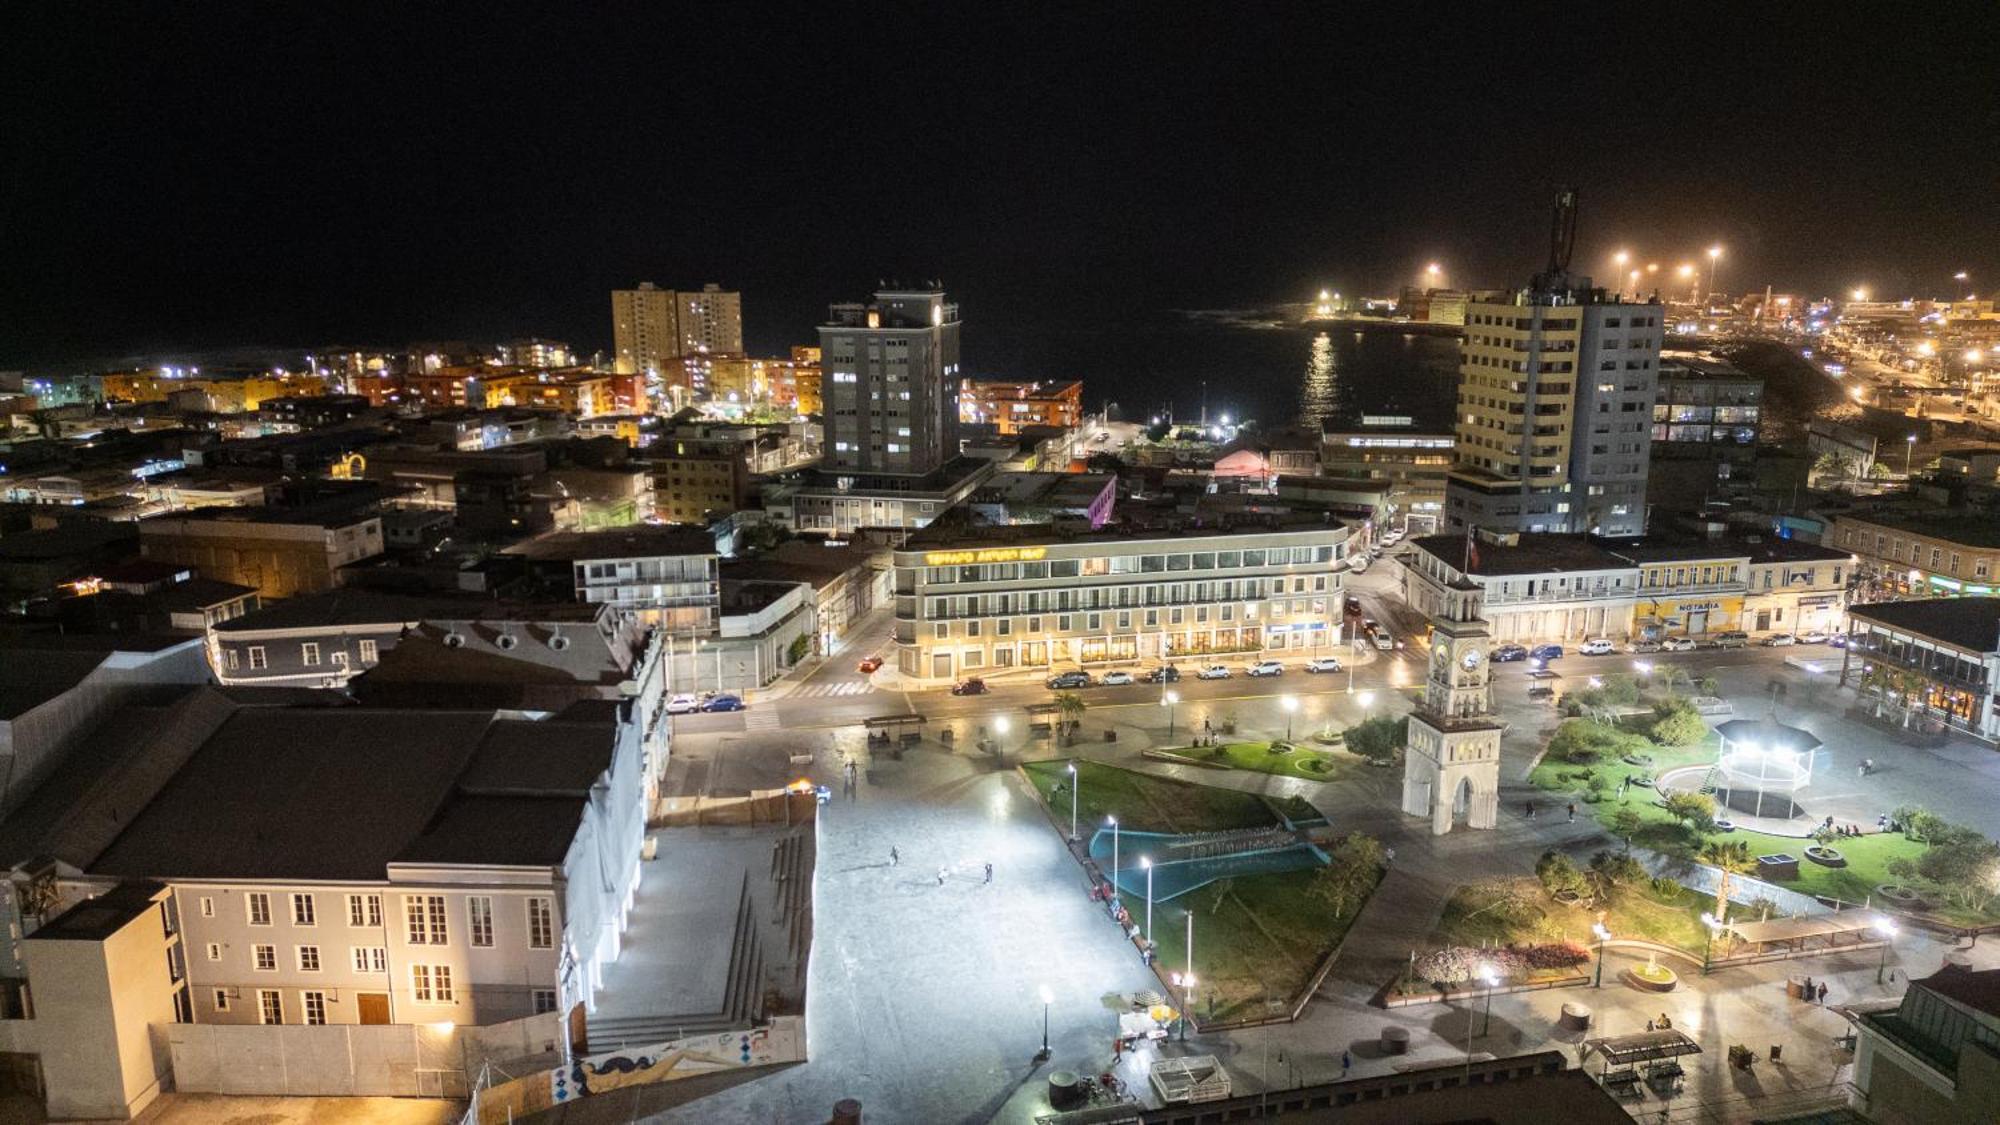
(1472, 658)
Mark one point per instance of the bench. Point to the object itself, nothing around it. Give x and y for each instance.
(1625, 1079)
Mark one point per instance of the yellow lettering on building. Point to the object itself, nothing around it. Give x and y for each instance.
(989, 555)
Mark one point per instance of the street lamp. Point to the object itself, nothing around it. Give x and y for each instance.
(1603, 935)
(1909, 447)
(1168, 699)
(1146, 862)
(1887, 929)
(1708, 951)
(1490, 977)
(1714, 256)
(1367, 701)
(1187, 985)
(1114, 851)
(1047, 999)
(1072, 802)
(1291, 705)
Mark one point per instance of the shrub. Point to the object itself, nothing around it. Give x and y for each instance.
(1558, 874)
(1378, 738)
(1665, 889)
(1459, 964)
(1612, 870)
(1678, 724)
(1598, 783)
(1697, 810)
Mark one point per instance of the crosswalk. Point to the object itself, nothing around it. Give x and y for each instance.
(761, 719)
(811, 691)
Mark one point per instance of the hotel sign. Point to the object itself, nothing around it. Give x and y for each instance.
(989, 555)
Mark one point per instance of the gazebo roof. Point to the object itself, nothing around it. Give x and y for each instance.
(1770, 734)
(1644, 1046)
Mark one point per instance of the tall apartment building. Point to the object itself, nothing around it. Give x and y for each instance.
(1555, 410)
(651, 327)
(891, 383)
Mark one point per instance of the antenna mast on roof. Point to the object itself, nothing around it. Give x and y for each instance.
(1562, 231)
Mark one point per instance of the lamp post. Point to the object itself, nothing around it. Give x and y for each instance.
(1146, 862)
(1490, 978)
(1714, 257)
(1114, 851)
(1909, 447)
(1367, 701)
(1887, 929)
(1072, 802)
(1485, 975)
(1603, 935)
(1291, 705)
(1169, 699)
(1047, 999)
(1708, 950)
(1187, 992)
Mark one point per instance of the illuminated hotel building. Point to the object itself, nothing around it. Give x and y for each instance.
(1555, 411)
(993, 599)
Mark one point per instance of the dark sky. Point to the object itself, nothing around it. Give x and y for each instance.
(186, 177)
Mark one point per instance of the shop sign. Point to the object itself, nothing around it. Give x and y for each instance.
(988, 555)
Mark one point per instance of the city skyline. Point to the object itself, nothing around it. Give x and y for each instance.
(187, 184)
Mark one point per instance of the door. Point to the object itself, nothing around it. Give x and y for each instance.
(373, 1006)
(1697, 623)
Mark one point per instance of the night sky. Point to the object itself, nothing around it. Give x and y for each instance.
(178, 180)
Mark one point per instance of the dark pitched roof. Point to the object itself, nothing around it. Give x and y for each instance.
(1978, 989)
(374, 607)
(637, 542)
(1972, 624)
(1532, 554)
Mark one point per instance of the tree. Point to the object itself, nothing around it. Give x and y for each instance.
(1558, 874)
(1355, 867)
(1678, 725)
(1104, 461)
(1378, 738)
(1965, 866)
(1830, 465)
(1707, 685)
(1729, 858)
(1626, 822)
(1697, 810)
(1069, 710)
(1611, 871)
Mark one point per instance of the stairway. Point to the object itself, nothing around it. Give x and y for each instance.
(741, 1002)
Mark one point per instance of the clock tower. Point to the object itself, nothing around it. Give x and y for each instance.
(1451, 768)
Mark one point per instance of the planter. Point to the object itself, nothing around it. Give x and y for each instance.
(1725, 825)
(1652, 978)
(1567, 897)
(1904, 897)
(1643, 761)
(1330, 737)
(1778, 868)
(1825, 856)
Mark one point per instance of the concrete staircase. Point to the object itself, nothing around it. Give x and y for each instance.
(738, 1005)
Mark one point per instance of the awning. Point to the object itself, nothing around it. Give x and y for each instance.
(880, 722)
(1799, 929)
(1646, 1046)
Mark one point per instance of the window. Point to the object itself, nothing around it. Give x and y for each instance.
(479, 909)
(270, 1006)
(258, 904)
(215, 951)
(207, 906)
(309, 654)
(431, 984)
(425, 915)
(541, 924)
(309, 958)
(315, 1006)
(221, 999)
(364, 910)
(369, 653)
(545, 1000)
(304, 910)
(257, 657)
(370, 959)
(264, 958)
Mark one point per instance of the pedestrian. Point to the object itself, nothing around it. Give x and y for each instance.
(1808, 989)
(989, 872)
(940, 876)
(1649, 1025)
(1388, 855)
(1572, 812)
(1346, 1063)
(894, 857)
(1822, 993)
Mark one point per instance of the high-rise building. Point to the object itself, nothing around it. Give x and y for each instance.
(1556, 388)
(891, 383)
(651, 327)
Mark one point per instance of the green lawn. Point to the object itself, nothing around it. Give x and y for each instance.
(1146, 803)
(1312, 765)
(1514, 911)
(1257, 940)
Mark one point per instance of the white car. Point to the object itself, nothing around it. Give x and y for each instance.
(1358, 564)
(1324, 664)
(683, 704)
(1596, 646)
(1779, 640)
(1116, 679)
(1812, 637)
(1266, 668)
(1677, 644)
(1384, 642)
(1213, 672)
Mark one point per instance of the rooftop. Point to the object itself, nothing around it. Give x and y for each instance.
(373, 607)
(1970, 529)
(947, 536)
(637, 542)
(1530, 554)
(95, 919)
(1762, 551)
(1971, 624)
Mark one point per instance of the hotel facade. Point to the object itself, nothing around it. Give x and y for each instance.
(998, 599)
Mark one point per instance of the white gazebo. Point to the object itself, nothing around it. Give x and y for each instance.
(1764, 762)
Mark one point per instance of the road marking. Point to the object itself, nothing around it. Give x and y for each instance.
(762, 719)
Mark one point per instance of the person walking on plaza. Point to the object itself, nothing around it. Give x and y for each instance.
(1822, 993)
(1346, 1062)
(1572, 812)
(941, 876)
(894, 858)
(989, 872)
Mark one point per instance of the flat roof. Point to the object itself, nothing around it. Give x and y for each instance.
(1531, 554)
(1971, 624)
(636, 542)
(1970, 529)
(945, 537)
(100, 916)
(350, 606)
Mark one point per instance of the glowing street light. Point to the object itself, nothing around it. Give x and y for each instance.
(1634, 277)
(1047, 999)
(1714, 257)
(1113, 821)
(1714, 925)
(1432, 271)
(1859, 294)
(1186, 980)
(1603, 935)
(1887, 929)
(1073, 786)
(1146, 862)
(1291, 705)
(1909, 447)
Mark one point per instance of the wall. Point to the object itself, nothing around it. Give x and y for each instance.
(416, 1060)
(94, 1003)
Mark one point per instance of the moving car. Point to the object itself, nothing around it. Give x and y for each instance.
(1358, 564)
(1164, 674)
(1546, 652)
(1677, 644)
(970, 686)
(869, 664)
(683, 704)
(1383, 641)
(1353, 605)
(722, 703)
(1213, 672)
(1266, 668)
(1062, 680)
(1323, 664)
(1733, 638)
(1116, 679)
(1778, 640)
(1596, 646)
(1837, 640)
(1813, 637)
(1507, 654)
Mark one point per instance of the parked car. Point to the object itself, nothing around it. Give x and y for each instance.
(1213, 672)
(1116, 679)
(1646, 646)
(869, 664)
(1062, 681)
(1353, 605)
(1358, 564)
(1323, 664)
(1596, 646)
(971, 686)
(1164, 674)
(1677, 644)
(1732, 638)
(683, 704)
(1778, 640)
(1837, 640)
(1546, 652)
(1813, 637)
(1266, 668)
(722, 703)
(1507, 654)
(1384, 642)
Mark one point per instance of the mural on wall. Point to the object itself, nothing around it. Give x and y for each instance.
(778, 1042)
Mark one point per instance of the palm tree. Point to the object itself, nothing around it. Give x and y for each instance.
(1729, 858)
(1070, 708)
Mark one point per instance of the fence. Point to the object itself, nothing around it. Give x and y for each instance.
(353, 1060)
(782, 1040)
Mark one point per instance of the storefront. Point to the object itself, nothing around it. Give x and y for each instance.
(1929, 666)
(1655, 618)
